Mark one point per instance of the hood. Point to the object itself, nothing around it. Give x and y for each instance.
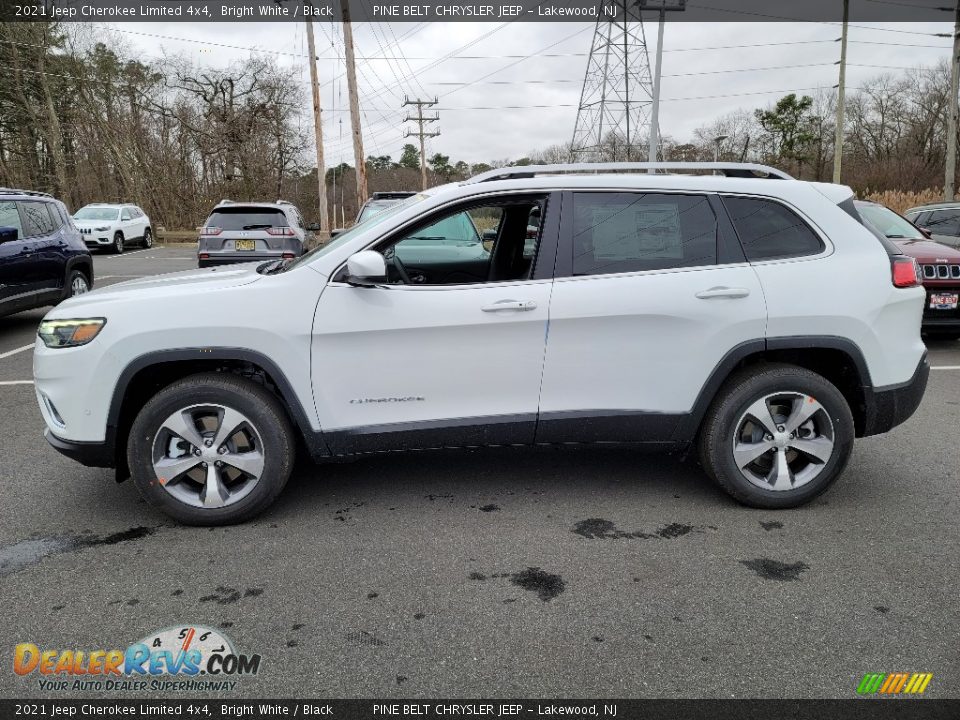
(156, 286)
(929, 251)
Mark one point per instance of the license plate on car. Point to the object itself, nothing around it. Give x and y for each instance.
(245, 245)
(943, 301)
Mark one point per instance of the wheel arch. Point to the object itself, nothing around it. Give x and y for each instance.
(837, 359)
(151, 372)
(84, 263)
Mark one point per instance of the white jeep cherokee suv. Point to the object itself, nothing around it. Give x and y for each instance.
(113, 227)
(753, 318)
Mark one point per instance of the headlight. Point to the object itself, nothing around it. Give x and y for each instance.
(102, 229)
(70, 333)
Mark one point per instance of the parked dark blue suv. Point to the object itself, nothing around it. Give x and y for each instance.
(43, 258)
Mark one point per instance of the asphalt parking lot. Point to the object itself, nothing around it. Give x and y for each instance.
(530, 573)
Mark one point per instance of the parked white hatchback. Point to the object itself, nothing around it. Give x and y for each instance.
(739, 312)
(113, 227)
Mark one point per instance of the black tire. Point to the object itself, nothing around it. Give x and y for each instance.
(739, 393)
(69, 290)
(147, 239)
(246, 397)
(117, 247)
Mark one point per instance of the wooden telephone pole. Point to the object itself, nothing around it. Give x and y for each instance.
(841, 96)
(318, 135)
(358, 155)
(950, 177)
(420, 119)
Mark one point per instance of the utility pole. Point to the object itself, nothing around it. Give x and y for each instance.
(949, 182)
(318, 134)
(420, 119)
(841, 95)
(358, 155)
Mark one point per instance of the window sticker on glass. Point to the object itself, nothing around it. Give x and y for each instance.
(650, 231)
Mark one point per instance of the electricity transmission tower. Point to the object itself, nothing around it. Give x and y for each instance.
(619, 93)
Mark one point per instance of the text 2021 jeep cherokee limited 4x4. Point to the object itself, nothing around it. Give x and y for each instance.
(753, 318)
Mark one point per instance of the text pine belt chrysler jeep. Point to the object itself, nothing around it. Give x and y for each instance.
(739, 312)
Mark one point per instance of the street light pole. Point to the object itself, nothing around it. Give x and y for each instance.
(716, 146)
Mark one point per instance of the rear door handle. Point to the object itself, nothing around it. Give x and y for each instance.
(509, 305)
(723, 292)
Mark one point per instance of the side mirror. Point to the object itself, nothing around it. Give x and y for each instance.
(366, 269)
(926, 233)
(8, 233)
(313, 227)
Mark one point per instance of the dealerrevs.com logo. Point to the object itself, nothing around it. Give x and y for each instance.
(183, 657)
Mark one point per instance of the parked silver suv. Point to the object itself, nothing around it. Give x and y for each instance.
(238, 232)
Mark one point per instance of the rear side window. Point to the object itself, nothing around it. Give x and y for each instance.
(38, 219)
(247, 219)
(9, 217)
(629, 232)
(944, 222)
(768, 230)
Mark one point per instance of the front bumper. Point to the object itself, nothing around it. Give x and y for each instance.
(91, 454)
(93, 242)
(889, 406)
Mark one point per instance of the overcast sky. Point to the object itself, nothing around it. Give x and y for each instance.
(474, 135)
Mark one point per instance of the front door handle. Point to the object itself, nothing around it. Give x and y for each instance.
(510, 305)
(723, 292)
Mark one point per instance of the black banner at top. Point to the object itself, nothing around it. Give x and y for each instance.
(901, 11)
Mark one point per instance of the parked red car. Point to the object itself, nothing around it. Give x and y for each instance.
(940, 265)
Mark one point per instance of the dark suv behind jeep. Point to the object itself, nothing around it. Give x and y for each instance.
(43, 258)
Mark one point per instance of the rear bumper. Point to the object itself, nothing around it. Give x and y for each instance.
(91, 454)
(231, 259)
(887, 407)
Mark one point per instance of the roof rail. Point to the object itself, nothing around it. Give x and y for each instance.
(225, 201)
(728, 169)
(16, 191)
(284, 202)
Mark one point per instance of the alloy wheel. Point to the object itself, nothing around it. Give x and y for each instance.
(79, 285)
(208, 456)
(783, 441)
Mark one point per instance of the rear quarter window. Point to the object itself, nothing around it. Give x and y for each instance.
(769, 230)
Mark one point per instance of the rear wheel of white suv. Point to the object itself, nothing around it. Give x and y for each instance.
(211, 449)
(776, 436)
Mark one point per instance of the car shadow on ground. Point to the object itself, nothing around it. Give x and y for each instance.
(563, 474)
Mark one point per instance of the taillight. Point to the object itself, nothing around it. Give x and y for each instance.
(210, 230)
(204, 256)
(905, 271)
(280, 231)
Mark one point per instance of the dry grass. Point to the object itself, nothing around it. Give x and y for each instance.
(900, 201)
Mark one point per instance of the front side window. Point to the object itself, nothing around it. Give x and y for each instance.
(487, 243)
(769, 230)
(38, 219)
(944, 222)
(630, 232)
(9, 217)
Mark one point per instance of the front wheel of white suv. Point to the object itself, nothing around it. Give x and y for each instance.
(776, 436)
(211, 449)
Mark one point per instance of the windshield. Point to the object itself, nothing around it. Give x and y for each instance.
(348, 235)
(888, 223)
(374, 208)
(90, 213)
